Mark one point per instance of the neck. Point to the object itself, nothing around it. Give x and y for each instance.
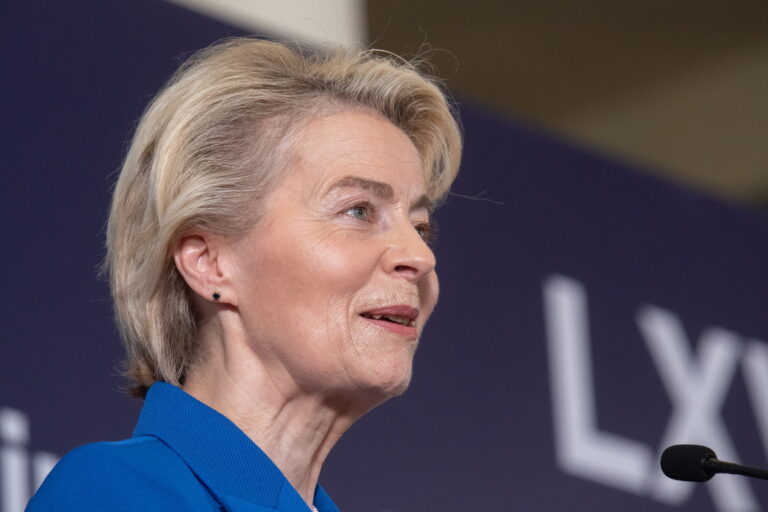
(296, 429)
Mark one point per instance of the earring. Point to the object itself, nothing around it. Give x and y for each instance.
(216, 295)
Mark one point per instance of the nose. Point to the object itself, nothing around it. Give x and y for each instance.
(408, 255)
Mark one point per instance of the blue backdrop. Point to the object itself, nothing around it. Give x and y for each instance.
(589, 315)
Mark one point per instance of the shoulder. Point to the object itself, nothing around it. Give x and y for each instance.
(135, 474)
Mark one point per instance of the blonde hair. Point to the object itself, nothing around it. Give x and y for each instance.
(203, 157)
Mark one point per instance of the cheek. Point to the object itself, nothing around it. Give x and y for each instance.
(316, 279)
(346, 270)
(342, 263)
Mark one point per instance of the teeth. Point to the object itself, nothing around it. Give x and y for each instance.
(395, 319)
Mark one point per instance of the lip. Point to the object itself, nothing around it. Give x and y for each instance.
(408, 312)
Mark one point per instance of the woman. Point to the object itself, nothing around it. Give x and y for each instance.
(268, 258)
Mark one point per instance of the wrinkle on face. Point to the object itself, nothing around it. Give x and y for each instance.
(310, 268)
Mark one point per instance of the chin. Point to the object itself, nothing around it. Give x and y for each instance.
(382, 371)
(396, 387)
(386, 383)
(371, 390)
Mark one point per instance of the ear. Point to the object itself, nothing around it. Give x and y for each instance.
(200, 261)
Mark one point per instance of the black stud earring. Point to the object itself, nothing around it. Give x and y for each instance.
(216, 295)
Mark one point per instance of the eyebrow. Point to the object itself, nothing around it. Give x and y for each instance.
(381, 190)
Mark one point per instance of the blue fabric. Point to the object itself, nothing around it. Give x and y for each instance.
(183, 456)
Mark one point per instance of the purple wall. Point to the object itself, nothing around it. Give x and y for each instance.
(590, 314)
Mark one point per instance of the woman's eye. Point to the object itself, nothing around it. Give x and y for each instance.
(426, 231)
(360, 212)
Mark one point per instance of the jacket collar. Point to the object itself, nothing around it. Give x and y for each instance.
(218, 452)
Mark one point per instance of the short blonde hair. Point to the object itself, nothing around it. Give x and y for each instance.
(203, 157)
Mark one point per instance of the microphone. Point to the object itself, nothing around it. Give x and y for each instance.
(694, 463)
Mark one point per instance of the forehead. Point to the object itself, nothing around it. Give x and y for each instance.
(362, 144)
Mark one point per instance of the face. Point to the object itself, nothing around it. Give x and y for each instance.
(336, 281)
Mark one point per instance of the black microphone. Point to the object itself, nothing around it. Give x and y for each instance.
(694, 463)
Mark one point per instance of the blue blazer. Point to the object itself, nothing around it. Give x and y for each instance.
(183, 456)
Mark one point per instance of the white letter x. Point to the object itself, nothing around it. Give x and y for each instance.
(697, 389)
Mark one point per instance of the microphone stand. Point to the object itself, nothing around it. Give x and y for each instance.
(718, 466)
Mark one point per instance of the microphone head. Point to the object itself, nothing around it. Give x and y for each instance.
(686, 462)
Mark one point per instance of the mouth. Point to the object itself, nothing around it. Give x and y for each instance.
(400, 319)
